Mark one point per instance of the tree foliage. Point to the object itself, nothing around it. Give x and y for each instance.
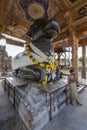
(80, 59)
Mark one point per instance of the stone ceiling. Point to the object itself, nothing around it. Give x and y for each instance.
(16, 16)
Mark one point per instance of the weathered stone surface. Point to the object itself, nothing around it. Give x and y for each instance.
(9, 118)
(70, 118)
(73, 117)
(32, 106)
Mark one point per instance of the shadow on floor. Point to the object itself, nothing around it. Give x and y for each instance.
(72, 117)
(9, 118)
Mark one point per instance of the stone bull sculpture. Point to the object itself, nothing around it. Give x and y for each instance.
(37, 61)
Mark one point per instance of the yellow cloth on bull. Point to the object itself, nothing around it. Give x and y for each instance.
(53, 67)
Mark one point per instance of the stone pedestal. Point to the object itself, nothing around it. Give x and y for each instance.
(33, 105)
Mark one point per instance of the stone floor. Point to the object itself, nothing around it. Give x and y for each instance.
(71, 117)
(9, 118)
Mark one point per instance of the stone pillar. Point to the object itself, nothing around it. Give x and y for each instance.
(84, 62)
(75, 52)
(73, 41)
(74, 44)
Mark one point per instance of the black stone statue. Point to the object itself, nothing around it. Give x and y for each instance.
(39, 52)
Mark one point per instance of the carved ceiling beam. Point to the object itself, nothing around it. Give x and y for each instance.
(5, 6)
(13, 42)
(65, 44)
(60, 16)
(59, 38)
(18, 20)
(79, 21)
(82, 29)
(76, 25)
(62, 44)
(83, 42)
(64, 30)
(63, 4)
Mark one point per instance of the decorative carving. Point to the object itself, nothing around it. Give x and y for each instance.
(23, 12)
(53, 9)
(17, 25)
(79, 9)
(83, 10)
(67, 2)
(16, 10)
(34, 9)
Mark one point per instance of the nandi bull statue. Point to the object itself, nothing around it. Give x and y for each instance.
(37, 61)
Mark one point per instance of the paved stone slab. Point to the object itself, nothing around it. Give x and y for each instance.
(9, 118)
(71, 117)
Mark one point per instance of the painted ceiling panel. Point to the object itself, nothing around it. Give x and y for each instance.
(34, 9)
(23, 12)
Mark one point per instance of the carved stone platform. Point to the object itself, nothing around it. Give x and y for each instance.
(34, 103)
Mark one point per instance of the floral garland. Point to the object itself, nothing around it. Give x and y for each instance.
(47, 66)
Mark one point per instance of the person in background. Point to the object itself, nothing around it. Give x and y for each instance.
(58, 71)
(73, 88)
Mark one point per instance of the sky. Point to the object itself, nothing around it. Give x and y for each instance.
(14, 50)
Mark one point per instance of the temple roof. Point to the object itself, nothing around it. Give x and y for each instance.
(16, 16)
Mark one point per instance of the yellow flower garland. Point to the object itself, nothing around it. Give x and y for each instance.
(36, 62)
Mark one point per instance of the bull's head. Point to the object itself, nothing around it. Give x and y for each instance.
(42, 28)
(42, 33)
